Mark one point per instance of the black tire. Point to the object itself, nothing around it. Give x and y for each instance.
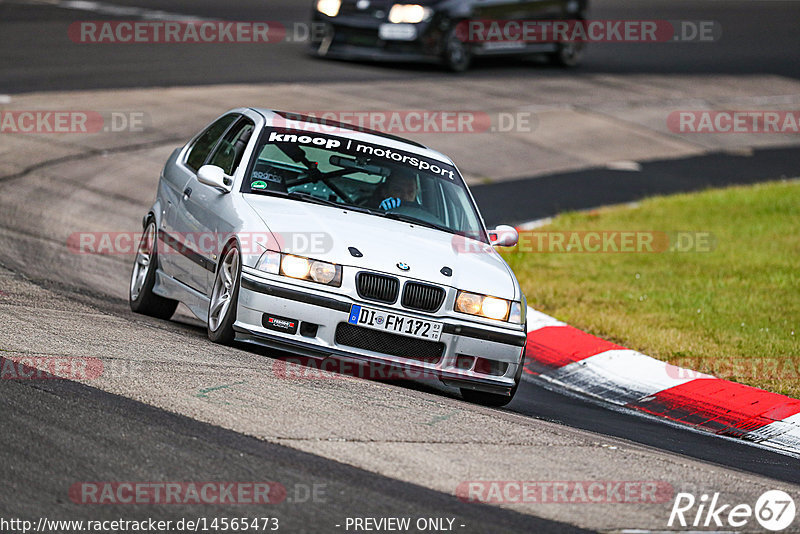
(568, 54)
(220, 323)
(494, 400)
(143, 278)
(456, 54)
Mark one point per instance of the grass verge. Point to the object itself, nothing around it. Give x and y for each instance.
(728, 305)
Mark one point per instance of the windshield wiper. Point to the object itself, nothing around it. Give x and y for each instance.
(308, 197)
(414, 220)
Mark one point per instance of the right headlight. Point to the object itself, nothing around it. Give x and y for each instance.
(409, 13)
(300, 268)
(329, 7)
(489, 307)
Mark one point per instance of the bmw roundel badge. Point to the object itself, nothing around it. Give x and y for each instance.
(403, 266)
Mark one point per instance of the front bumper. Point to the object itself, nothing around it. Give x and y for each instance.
(260, 295)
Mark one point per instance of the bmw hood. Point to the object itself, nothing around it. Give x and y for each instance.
(328, 233)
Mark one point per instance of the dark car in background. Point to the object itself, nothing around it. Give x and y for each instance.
(433, 30)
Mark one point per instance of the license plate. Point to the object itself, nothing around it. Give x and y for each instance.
(395, 323)
(397, 32)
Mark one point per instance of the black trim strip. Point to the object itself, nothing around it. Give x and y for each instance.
(299, 296)
(173, 243)
(313, 351)
(333, 304)
(488, 335)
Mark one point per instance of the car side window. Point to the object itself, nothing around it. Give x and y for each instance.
(228, 153)
(207, 141)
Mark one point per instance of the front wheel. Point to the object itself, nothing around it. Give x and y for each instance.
(568, 54)
(456, 54)
(224, 297)
(143, 278)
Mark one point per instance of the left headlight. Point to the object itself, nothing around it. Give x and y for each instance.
(489, 307)
(300, 268)
(409, 13)
(329, 7)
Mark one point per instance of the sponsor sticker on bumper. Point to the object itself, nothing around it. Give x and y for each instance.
(395, 323)
(281, 324)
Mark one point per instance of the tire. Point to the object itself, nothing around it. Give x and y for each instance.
(456, 54)
(143, 278)
(225, 297)
(568, 54)
(493, 399)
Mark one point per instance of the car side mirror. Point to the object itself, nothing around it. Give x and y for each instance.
(503, 236)
(215, 177)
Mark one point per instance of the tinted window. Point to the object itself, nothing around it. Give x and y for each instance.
(376, 179)
(229, 151)
(206, 142)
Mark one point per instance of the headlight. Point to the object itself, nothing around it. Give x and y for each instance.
(489, 307)
(269, 262)
(518, 311)
(301, 268)
(329, 7)
(409, 13)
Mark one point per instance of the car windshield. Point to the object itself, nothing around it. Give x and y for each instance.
(376, 179)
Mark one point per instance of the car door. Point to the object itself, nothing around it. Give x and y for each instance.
(541, 9)
(180, 259)
(200, 209)
(491, 12)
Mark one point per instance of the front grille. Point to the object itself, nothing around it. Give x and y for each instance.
(388, 343)
(378, 287)
(374, 9)
(422, 297)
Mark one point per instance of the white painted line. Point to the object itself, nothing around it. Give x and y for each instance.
(538, 223)
(624, 165)
(532, 225)
(113, 10)
(622, 376)
(5, 99)
(537, 320)
(780, 434)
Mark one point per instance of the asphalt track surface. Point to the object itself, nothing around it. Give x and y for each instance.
(36, 54)
(139, 442)
(110, 436)
(511, 201)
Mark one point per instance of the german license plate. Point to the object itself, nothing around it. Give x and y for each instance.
(395, 323)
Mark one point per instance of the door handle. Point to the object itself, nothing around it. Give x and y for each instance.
(187, 193)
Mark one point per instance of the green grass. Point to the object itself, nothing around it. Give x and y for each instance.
(733, 312)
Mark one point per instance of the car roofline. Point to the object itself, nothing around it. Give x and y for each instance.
(317, 121)
(307, 119)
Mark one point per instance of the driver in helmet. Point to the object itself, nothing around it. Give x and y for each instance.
(398, 188)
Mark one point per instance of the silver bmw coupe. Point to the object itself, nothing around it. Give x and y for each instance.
(331, 241)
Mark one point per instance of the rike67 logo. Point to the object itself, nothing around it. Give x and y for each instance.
(774, 510)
